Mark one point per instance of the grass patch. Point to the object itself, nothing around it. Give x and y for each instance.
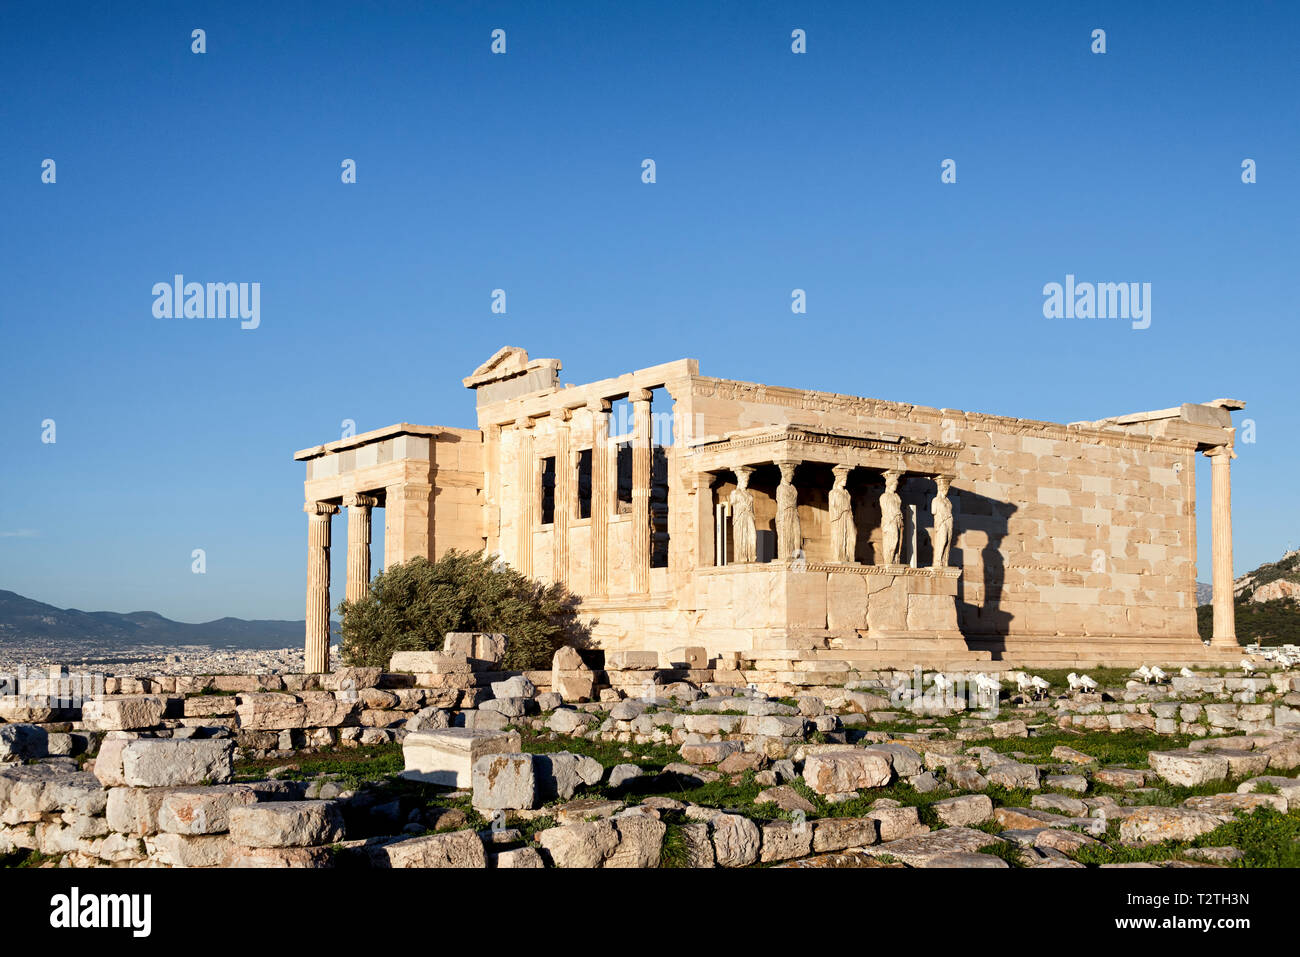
(674, 852)
(21, 859)
(1128, 748)
(1267, 837)
(350, 767)
(608, 753)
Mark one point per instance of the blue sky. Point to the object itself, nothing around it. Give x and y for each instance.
(477, 171)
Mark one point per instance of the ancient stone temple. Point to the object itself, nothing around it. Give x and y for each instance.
(805, 531)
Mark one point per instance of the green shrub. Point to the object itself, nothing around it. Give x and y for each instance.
(412, 606)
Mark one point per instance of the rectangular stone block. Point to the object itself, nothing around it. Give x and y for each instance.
(446, 756)
(286, 824)
(430, 662)
(202, 810)
(123, 712)
(631, 660)
(166, 762)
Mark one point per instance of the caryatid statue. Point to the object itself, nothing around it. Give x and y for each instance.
(891, 521)
(744, 541)
(844, 532)
(941, 509)
(789, 537)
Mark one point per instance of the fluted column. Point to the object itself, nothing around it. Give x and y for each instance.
(563, 498)
(1225, 622)
(359, 507)
(601, 470)
(640, 400)
(317, 650)
(526, 504)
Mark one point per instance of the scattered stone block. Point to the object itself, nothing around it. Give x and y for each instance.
(897, 823)
(202, 810)
(640, 840)
(841, 833)
(504, 782)
(1151, 825)
(167, 762)
(709, 752)
(519, 857)
(1012, 775)
(286, 824)
(123, 712)
(278, 857)
(964, 810)
(846, 770)
(736, 840)
(430, 663)
(452, 849)
(446, 756)
(1188, 768)
(786, 840)
(920, 850)
(21, 742)
(585, 844)
(1126, 778)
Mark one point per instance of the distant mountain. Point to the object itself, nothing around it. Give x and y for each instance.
(1266, 602)
(24, 619)
(1204, 593)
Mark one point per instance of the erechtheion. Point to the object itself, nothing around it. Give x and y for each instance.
(807, 532)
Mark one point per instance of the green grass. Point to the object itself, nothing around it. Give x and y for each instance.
(21, 859)
(608, 753)
(674, 852)
(1005, 850)
(1267, 837)
(1127, 748)
(350, 767)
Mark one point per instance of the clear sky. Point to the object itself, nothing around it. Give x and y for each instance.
(523, 171)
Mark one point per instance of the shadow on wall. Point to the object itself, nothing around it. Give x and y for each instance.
(982, 622)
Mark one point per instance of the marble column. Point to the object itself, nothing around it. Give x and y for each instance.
(318, 586)
(1225, 623)
(564, 498)
(640, 400)
(526, 506)
(601, 470)
(789, 535)
(359, 507)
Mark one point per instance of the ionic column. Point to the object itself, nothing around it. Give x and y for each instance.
(526, 504)
(563, 498)
(640, 400)
(317, 650)
(601, 471)
(359, 507)
(789, 535)
(1225, 622)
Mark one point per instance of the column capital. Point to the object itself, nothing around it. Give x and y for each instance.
(360, 499)
(599, 405)
(320, 508)
(639, 395)
(525, 422)
(1220, 450)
